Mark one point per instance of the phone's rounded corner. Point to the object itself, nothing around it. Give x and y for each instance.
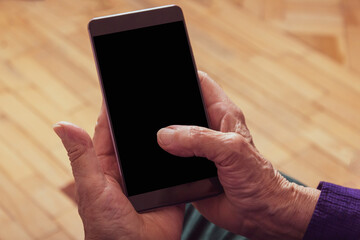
(177, 7)
(90, 24)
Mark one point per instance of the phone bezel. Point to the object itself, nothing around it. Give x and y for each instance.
(139, 19)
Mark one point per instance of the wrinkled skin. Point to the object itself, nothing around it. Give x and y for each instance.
(105, 211)
(256, 199)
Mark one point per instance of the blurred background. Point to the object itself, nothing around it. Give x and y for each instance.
(292, 66)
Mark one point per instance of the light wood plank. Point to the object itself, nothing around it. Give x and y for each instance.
(35, 155)
(83, 84)
(288, 78)
(71, 223)
(36, 222)
(39, 103)
(47, 84)
(11, 229)
(33, 125)
(50, 199)
(61, 235)
(13, 165)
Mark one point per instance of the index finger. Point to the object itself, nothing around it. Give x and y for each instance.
(104, 147)
(217, 103)
(212, 92)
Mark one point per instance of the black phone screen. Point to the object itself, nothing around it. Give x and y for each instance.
(149, 82)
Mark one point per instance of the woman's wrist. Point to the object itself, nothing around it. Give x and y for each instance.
(288, 212)
(305, 202)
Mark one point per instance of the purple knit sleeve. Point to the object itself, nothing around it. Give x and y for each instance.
(336, 215)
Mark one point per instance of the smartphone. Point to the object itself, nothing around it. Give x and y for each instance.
(149, 81)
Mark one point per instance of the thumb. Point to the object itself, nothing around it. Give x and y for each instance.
(86, 168)
(185, 141)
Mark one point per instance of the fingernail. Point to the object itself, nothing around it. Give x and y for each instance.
(59, 130)
(202, 73)
(166, 135)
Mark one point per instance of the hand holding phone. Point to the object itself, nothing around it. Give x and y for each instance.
(251, 185)
(149, 81)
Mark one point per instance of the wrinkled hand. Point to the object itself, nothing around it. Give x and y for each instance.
(105, 211)
(257, 201)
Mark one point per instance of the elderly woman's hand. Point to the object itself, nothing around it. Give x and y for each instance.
(104, 209)
(257, 201)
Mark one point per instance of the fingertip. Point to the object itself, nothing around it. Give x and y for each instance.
(63, 124)
(165, 136)
(202, 74)
(70, 134)
(59, 130)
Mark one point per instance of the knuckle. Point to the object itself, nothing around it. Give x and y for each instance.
(198, 141)
(239, 114)
(196, 132)
(76, 151)
(236, 146)
(235, 140)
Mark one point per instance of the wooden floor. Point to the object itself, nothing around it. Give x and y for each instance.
(292, 66)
